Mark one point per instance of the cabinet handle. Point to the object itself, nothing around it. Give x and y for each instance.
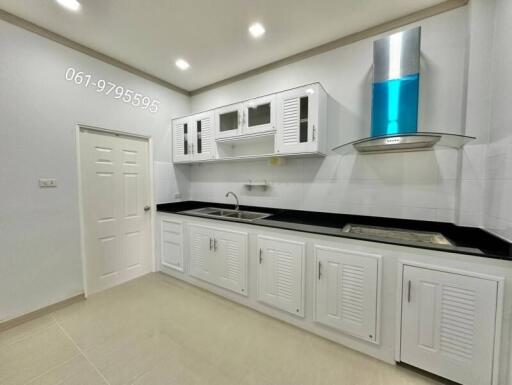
(314, 132)
(211, 241)
(409, 291)
(192, 149)
(261, 258)
(319, 270)
(214, 244)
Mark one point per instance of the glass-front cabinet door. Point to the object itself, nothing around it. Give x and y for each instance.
(182, 143)
(297, 119)
(203, 146)
(228, 121)
(259, 115)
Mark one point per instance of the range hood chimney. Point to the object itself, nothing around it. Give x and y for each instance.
(395, 93)
(395, 100)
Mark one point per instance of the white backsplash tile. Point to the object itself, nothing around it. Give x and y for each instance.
(403, 185)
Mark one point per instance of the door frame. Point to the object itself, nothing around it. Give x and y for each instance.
(500, 281)
(78, 128)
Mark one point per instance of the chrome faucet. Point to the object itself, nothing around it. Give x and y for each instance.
(237, 207)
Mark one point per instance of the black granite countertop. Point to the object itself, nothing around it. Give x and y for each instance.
(466, 240)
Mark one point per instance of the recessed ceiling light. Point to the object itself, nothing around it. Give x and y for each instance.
(256, 30)
(182, 64)
(72, 5)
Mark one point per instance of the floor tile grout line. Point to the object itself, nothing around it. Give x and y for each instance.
(52, 368)
(82, 353)
(22, 338)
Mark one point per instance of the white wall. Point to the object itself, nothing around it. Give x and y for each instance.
(39, 228)
(422, 185)
(499, 161)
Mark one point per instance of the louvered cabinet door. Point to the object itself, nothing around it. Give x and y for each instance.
(230, 253)
(448, 324)
(182, 140)
(202, 262)
(203, 146)
(297, 120)
(280, 274)
(347, 291)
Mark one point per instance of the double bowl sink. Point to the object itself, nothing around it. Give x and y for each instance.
(235, 215)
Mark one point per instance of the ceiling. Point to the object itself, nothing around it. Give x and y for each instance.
(210, 34)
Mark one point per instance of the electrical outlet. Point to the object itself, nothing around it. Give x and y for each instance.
(47, 182)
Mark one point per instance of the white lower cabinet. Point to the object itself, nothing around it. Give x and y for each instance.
(448, 324)
(219, 257)
(171, 244)
(347, 291)
(281, 273)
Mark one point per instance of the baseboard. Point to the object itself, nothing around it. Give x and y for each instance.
(40, 312)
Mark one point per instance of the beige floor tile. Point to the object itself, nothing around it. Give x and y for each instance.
(124, 360)
(157, 330)
(30, 357)
(75, 372)
(25, 330)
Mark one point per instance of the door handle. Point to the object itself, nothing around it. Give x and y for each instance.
(319, 269)
(261, 258)
(409, 291)
(211, 241)
(147, 208)
(214, 244)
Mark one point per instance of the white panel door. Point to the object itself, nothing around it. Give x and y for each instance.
(202, 262)
(230, 254)
(280, 273)
(259, 115)
(171, 244)
(448, 324)
(115, 192)
(203, 145)
(297, 120)
(182, 140)
(347, 291)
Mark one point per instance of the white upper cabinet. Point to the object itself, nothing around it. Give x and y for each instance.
(181, 140)
(228, 121)
(347, 291)
(291, 122)
(301, 120)
(259, 115)
(194, 138)
(448, 324)
(281, 273)
(203, 145)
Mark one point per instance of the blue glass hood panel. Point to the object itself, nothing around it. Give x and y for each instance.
(395, 106)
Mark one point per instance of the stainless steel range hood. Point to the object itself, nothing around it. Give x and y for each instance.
(405, 142)
(395, 100)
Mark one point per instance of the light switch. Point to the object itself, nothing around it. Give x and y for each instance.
(47, 182)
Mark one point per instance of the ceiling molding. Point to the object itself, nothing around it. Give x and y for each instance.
(447, 5)
(29, 26)
(343, 41)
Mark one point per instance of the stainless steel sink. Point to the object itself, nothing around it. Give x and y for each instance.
(424, 237)
(235, 215)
